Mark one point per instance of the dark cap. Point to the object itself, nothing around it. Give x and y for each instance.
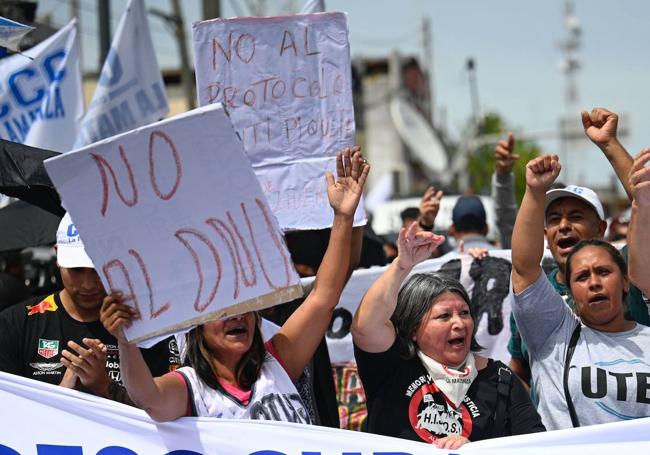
(468, 207)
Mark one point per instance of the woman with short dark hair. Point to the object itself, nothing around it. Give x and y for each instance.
(229, 372)
(415, 347)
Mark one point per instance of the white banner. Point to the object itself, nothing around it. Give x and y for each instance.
(172, 215)
(43, 419)
(41, 100)
(286, 82)
(130, 91)
(486, 281)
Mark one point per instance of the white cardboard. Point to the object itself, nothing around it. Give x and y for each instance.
(185, 221)
(286, 82)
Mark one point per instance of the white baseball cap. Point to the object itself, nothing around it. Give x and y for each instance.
(579, 192)
(70, 251)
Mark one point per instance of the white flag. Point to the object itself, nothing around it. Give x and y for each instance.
(12, 32)
(313, 6)
(130, 91)
(41, 100)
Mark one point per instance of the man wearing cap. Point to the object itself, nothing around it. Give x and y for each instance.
(469, 223)
(572, 214)
(59, 338)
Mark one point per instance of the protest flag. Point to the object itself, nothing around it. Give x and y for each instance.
(313, 6)
(130, 91)
(12, 32)
(41, 100)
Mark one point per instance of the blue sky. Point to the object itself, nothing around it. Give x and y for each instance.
(514, 44)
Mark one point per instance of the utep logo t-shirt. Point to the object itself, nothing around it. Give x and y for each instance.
(432, 416)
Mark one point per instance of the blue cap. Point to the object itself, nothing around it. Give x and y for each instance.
(468, 206)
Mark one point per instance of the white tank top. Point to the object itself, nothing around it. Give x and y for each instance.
(273, 397)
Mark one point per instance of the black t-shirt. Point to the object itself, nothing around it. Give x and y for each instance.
(33, 334)
(404, 402)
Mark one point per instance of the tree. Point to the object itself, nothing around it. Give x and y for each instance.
(481, 163)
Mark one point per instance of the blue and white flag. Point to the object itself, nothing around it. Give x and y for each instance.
(41, 100)
(313, 6)
(12, 32)
(130, 91)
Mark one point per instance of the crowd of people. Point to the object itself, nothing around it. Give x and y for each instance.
(580, 340)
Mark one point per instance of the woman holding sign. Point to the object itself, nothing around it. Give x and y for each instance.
(415, 347)
(229, 371)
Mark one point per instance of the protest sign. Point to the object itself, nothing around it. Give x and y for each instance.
(286, 82)
(41, 100)
(172, 215)
(130, 91)
(103, 427)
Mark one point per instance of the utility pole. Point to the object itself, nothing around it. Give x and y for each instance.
(177, 24)
(104, 22)
(473, 92)
(187, 78)
(427, 64)
(211, 9)
(74, 13)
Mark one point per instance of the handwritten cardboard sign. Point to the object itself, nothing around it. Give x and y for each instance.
(286, 82)
(172, 215)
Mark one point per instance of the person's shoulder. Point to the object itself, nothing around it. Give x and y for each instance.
(29, 305)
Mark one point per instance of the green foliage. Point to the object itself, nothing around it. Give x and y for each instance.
(480, 165)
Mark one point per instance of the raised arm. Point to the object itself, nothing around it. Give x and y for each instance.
(163, 398)
(429, 208)
(372, 329)
(300, 335)
(503, 189)
(528, 233)
(638, 237)
(601, 126)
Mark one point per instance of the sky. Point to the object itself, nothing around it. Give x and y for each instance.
(513, 42)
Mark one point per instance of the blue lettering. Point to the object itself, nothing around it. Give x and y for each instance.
(49, 66)
(4, 110)
(17, 92)
(182, 452)
(116, 450)
(4, 450)
(46, 449)
(122, 117)
(112, 70)
(144, 103)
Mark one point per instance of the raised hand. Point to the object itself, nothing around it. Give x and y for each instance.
(415, 245)
(429, 206)
(504, 156)
(115, 315)
(640, 179)
(345, 192)
(88, 364)
(542, 171)
(600, 126)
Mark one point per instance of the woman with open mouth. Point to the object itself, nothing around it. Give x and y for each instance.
(591, 366)
(415, 347)
(229, 372)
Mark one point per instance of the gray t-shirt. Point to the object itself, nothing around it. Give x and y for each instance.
(609, 378)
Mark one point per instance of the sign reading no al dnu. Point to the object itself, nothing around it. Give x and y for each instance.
(173, 216)
(286, 82)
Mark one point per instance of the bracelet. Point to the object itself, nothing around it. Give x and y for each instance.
(424, 226)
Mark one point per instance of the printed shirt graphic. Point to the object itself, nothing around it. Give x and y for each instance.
(48, 348)
(433, 416)
(404, 402)
(33, 334)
